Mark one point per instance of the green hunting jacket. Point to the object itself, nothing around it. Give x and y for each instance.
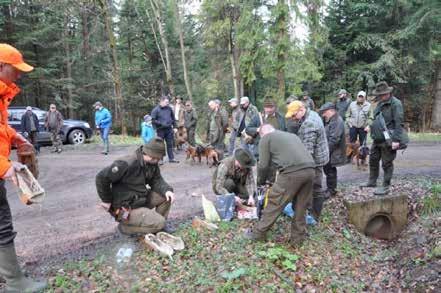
(190, 118)
(392, 111)
(124, 183)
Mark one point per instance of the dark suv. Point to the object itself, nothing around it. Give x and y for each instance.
(73, 131)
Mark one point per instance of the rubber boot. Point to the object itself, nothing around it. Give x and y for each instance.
(384, 190)
(317, 206)
(11, 272)
(374, 172)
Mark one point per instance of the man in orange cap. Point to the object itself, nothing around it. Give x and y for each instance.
(11, 68)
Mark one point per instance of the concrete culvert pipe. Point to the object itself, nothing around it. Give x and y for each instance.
(380, 227)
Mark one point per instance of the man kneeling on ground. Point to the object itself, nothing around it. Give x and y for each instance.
(235, 175)
(294, 180)
(123, 189)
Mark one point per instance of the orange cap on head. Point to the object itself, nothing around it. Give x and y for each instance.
(12, 56)
(293, 108)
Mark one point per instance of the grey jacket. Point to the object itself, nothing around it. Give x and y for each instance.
(313, 136)
(359, 116)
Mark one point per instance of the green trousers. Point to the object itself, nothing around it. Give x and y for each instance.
(384, 153)
(149, 219)
(294, 185)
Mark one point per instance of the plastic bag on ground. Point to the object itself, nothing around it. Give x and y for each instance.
(225, 206)
(290, 213)
(210, 212)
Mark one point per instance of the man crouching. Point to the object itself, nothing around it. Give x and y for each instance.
(235, 175)
(134, 192)
(294, 181)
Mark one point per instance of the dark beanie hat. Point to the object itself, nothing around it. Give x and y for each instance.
(154, 148)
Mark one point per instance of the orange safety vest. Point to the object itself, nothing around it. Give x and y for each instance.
(7, 133)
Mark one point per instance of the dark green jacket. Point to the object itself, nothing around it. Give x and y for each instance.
(123, 184)
(190, 118)
(342, 105)
(283, 150)
(254, 124)
(335, 133)
(392, 111)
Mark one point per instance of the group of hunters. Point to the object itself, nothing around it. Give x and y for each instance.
(291, 151)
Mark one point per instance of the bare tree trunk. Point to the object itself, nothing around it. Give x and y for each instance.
(436, 109)
(234, 68)
(282, 26)
(116, 75)
(68, 64)
(181, 43)
(168, 72)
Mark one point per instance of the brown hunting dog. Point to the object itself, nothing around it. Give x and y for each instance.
(211, 154)
(200, 151)
(357, 153)
(194, 152)
(180, 137)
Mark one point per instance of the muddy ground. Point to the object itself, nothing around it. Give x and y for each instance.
(70, 224)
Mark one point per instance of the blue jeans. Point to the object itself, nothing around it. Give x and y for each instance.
(169, 137)
(354, 132)
(105, 137)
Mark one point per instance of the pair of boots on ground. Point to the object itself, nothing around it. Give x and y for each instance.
(164, 243)
(11, 272)
(373, 176)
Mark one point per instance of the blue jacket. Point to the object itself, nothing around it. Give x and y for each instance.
(103, 118)
(147, 132)
(163, 118)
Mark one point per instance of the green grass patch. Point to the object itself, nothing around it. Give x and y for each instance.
(432, 202)
(425, 136)
(117, 139)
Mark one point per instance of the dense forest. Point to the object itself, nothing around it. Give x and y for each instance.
(127, 53)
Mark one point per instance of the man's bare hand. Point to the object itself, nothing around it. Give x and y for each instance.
(20, 141)
(395, 145)
(251, 201)
(10, 174)
(170, 196)
(367, 129)
(106, 206)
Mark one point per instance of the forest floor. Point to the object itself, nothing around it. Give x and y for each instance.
(71, 240)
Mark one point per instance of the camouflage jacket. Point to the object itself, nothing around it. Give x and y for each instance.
(124, 183)
(250, 113)
(217, 123)
(227, 170)
(236, 117)
(312, 133)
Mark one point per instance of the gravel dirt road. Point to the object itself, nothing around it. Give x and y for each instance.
(70, 219)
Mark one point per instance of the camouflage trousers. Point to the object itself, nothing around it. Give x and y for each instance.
(56, 139)
(149, 219)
